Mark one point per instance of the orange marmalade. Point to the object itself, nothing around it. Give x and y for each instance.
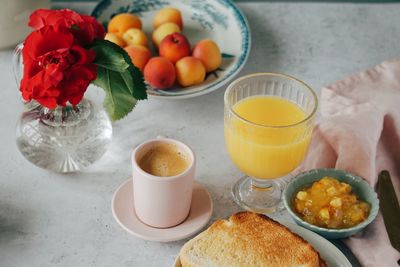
(330, 203)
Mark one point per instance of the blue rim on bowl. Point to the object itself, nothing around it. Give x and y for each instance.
(228, 74)
(359, 186)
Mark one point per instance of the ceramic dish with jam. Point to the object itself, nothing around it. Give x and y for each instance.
(361, 189)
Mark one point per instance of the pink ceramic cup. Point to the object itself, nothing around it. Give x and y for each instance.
(162, 202)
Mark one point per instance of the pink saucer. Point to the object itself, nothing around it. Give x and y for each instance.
(124, 213)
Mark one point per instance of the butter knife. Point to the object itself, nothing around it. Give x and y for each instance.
(346, 251)
(390, 208)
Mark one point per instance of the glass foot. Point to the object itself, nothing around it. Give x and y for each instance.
(261, 196)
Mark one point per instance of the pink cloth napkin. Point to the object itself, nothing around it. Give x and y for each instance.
(359, 131)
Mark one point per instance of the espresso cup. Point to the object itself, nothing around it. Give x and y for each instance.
(162, 201)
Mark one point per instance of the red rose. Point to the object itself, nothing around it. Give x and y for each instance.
(84, 28)
(56, 69)
(47, 17)
(88, 30)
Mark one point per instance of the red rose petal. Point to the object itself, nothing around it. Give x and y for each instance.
(57, 67)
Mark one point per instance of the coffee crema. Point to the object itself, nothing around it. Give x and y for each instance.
(164, 159)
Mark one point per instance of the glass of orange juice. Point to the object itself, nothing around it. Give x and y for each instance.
(269, 118)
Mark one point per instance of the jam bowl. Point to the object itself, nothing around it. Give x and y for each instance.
(359, 186)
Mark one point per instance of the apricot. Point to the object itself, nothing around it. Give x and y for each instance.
(190, 71)
(208, 52)
(163, 30)
(159, 72)
(139, 55)
(115, 39)
(168, 14)
(135, 36)
(122, 22)
(174, 47)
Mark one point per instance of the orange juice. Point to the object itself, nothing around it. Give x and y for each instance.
(274, 143)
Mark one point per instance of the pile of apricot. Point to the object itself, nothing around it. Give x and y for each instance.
(176, 60)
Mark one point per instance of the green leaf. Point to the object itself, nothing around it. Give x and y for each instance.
(119, 100)
(120, 79)
(110, 56)
(139, 86)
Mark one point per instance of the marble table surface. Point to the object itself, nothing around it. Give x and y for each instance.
(49, 219)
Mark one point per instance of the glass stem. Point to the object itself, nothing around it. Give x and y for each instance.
(263, 184)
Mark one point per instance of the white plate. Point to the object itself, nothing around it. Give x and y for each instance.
(124, 213)
(331, 254)
(219, 20)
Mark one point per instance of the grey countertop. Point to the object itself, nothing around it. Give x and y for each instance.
(48, 219)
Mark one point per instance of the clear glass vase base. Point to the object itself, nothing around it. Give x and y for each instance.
(64, 140)
(261, 196)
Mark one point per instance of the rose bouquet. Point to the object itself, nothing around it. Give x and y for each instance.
(66, 52)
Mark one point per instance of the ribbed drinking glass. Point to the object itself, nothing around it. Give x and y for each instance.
(269, 118)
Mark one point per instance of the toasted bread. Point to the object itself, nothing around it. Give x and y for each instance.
(248, 239)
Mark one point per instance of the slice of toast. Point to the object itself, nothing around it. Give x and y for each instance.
(248, 239)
